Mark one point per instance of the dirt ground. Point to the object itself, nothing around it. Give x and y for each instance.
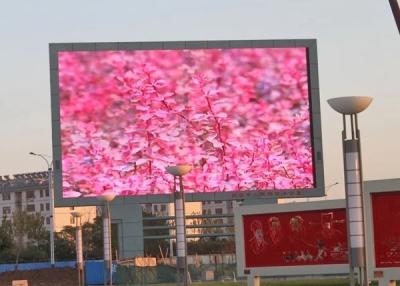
(43, 277)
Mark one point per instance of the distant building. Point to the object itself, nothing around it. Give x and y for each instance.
(158, 209)
(219, 208)
(168, 209)
(30, 192)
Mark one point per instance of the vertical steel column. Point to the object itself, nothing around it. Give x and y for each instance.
(354, 198)
(350, 106)
(51, 194)
(181, 251)
(79, 252)
(107, 245)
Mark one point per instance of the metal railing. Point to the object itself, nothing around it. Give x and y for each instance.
(205, 225)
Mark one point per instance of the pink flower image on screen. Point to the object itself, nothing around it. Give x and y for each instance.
(241, 117)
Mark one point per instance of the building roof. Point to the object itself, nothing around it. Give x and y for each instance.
(25, 181)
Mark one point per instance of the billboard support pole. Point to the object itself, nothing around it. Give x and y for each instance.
(107, 249)
(180, 223)
(181, 247)
(350, 106)
(106, 242)
(79, 248)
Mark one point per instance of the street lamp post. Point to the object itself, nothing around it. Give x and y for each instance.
(79, 248)
(107, 198)
(51, 193)
(350, 107)
(180, 223)
(328, 187)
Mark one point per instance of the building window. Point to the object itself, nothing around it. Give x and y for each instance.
(163, 208)
(218, 221)
(47, 206)
(41, 207)
(47, 193)
(6, 210)
(47, 220)
(204, 212)
(218, 211)
(6, 196)
(30, 194)
(30, 208)
(147, 208)
(218, 202)
(155, 208)
(41, 193)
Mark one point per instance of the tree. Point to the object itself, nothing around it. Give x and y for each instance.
(211, 246)
(31, 238)
(6, 240)
(36, 232)
(18, 225)
(93, 239)
(64, 244)
(92, 234)
(152, 246)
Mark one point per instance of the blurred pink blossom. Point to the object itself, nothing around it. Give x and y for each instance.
(240, 116)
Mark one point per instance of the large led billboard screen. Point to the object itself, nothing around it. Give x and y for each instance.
(241, 116)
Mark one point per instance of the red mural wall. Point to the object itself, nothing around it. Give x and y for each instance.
(317, 237)
(386, 227)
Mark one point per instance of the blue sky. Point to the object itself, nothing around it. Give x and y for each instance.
(358, 47)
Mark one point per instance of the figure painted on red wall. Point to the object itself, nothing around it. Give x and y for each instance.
(299, 246)
(275, 230)
(330, 241)
(257, 242)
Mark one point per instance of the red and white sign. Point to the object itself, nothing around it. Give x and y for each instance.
(292, 239)
(386, 228)
(296, 238)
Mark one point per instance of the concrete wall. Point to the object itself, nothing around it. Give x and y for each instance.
(128, 216)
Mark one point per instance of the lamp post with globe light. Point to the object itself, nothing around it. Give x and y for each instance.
(107, 198)
(349, 107)
(180, 223)
(51, 193)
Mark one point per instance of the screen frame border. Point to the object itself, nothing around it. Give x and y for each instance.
(315, 118)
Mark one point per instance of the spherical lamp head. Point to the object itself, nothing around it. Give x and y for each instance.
(179, 170)
(76, 214)
(350, 104)
(107, 197)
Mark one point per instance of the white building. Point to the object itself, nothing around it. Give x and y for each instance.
(219, 208)
(30, 192)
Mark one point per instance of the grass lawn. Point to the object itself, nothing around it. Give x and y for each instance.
(313, 282)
